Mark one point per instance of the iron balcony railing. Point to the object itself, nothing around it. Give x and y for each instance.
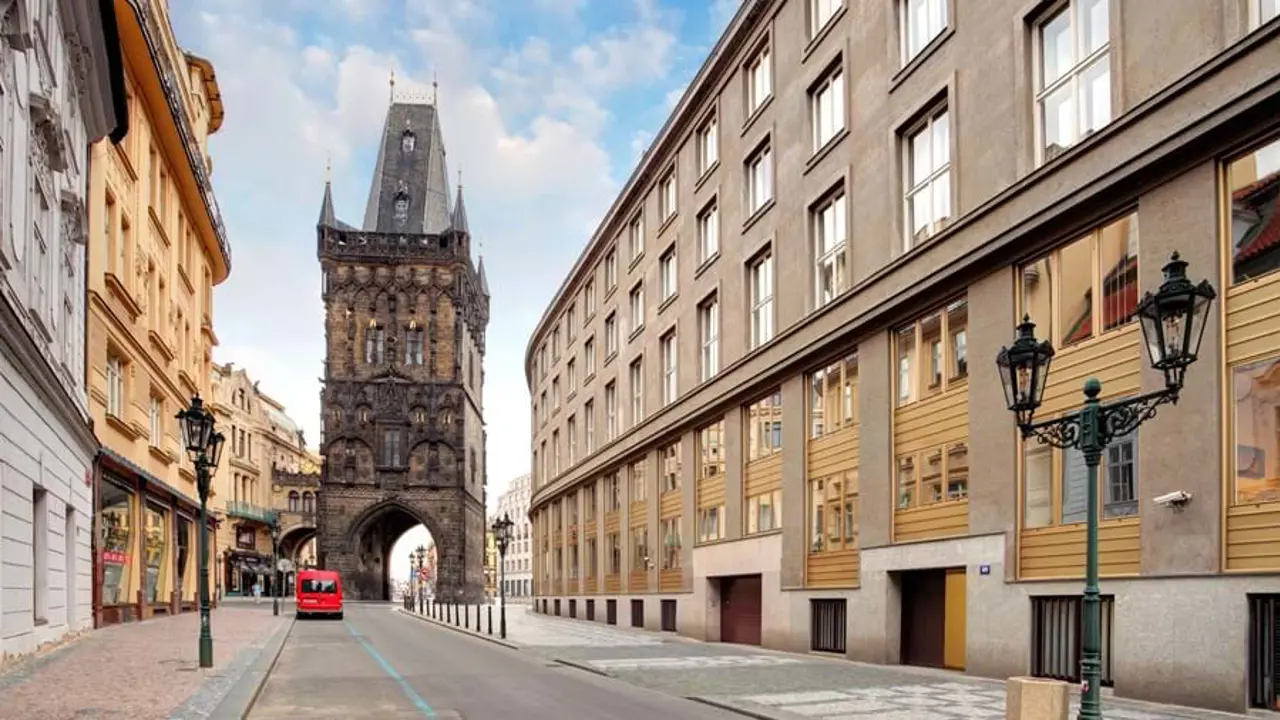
(249, 511)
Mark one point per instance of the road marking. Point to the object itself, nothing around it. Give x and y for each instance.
(412, 694)
(701, 662)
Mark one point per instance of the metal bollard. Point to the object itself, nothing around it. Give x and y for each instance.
(490, 619)
(466, 623)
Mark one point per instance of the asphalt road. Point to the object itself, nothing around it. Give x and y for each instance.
(378, 663)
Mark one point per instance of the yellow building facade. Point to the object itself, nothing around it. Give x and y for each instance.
(156, 248)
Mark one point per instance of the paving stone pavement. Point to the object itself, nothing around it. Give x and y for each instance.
(139, 671)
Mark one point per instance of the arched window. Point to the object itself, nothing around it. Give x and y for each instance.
(375, 344)
(308, 502)
(293, 501)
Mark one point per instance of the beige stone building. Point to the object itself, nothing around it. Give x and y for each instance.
(267, 475)
(156, 248)
(765, 402)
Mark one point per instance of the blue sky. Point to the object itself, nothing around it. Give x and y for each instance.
(546, 105)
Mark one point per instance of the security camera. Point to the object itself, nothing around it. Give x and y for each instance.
(1176, 499)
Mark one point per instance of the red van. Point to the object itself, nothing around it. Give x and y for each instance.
(319, 593)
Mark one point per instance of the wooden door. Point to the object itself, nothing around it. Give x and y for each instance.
(740, 609)
(923, 617)
(954, 642)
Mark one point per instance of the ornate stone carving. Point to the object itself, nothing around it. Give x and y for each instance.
(73, 218)
(15, 25)
(46, 131)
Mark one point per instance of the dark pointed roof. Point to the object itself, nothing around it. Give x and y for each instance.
(460, 213)
(484, 282)
(410, 187)
(327, 218)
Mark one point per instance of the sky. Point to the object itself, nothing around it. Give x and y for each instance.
(546, 106)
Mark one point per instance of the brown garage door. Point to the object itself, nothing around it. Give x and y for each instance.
(740, 609)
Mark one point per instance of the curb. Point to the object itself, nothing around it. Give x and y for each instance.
(731, 708)
(461, 631)
(585, 668)
(240, 699)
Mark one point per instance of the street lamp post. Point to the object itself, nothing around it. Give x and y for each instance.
(1173, 320)
(502, 537)
(204, 446)
(275, 565)
(411, 592)
(421, 551)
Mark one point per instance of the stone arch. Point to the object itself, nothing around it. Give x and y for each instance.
(370, 538)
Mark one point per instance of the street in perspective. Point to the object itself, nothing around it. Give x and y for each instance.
(782, 359)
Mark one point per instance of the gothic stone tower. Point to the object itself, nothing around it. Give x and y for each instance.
(405, 318)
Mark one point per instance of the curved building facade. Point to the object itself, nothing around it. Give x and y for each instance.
(765, 402)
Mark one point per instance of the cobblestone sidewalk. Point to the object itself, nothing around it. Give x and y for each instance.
(139, 671)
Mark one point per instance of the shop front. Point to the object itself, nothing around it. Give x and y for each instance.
(145, 535)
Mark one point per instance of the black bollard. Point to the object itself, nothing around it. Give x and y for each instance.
(466, 623)
(490, 619)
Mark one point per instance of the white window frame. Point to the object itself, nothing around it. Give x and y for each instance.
(935, 18)
(708, 232)
(571, 376)
(635, 237)
(1262, 12)
(1070, 77)
(115, 386)
(709, 338)
(611, 410)
(589, 425)
(555, 451)
(588, 300)
(635, 302)
(708, 145)
(935, 186)
(635, 376)
(589, 356)
(670, 364)
(830, 258)
(611, 334)
(571, 430)
(759, 79)
(668, 201)
(155, 421)
(826, 108)
(668, 274)
(820, 13)
(759, 180)
(611, 270)
(761, 289)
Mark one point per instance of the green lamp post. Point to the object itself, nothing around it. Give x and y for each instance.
(204, 446)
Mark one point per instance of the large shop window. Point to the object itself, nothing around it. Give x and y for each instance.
(1057, 483)
(1254, 181)
(710, 482)
(933, 353)
(184, 554)
(671, 546)
(1255, 421)
(116, 521)
(833, 397)
(155, 548)
(764, 426)
(833, 512)
(1094, 277)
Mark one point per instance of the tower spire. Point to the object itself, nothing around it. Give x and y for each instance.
(393, 86)
(435, 89)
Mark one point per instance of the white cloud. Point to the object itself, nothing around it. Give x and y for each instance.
(529, 134)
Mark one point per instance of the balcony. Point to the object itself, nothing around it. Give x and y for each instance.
(295, 518)
(249, 511)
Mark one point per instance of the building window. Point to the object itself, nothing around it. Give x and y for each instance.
(639, 490)
(611, 270)
(759, 179)
(543, 404)
(708, 233)
(820, 13)
(826, 107)
(555, 343)
(667, 196)
(669, 531)
(413, 342)
(710, 496)
(636, 378)
(671, 467)
(635, 238)
(1262, 12)
(830, 249)
(636, 304)
(761, 289)
(670, 358)
(615, 554)
(1048, 472)
(1073, 95)
(571, 430)
(1255, 414)
(612, 493)
(927, 178)
(709, 338)
(589, 425)
(667, 274)
(1094, 276)
(833, 513)
(295, 501)
(833, 397)
(391, 456)
(764, 512)
(555, 453)
(155, 412)
(589, 503)
(611, 335)
(555, 394)
(375, 344)
(571, 376)
(708, 146)
(570, 326)
(588, 300)
(764, 426)
(115, 386)
(920, 21)
(933, 353)
(1253, 181)
(611, 411)
(542, 362)
(589, 356)
(759, 80)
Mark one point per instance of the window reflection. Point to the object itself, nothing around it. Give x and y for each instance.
(1254, 183)
(1256, 396)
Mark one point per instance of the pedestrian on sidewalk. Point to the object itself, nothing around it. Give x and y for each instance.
(257, 593)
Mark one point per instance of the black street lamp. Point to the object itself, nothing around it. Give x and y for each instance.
(422, 581)
(204, 446)
(1173, 320)
(275, 565)
(502, 536)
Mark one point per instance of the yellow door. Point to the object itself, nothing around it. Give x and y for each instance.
(953, 646)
